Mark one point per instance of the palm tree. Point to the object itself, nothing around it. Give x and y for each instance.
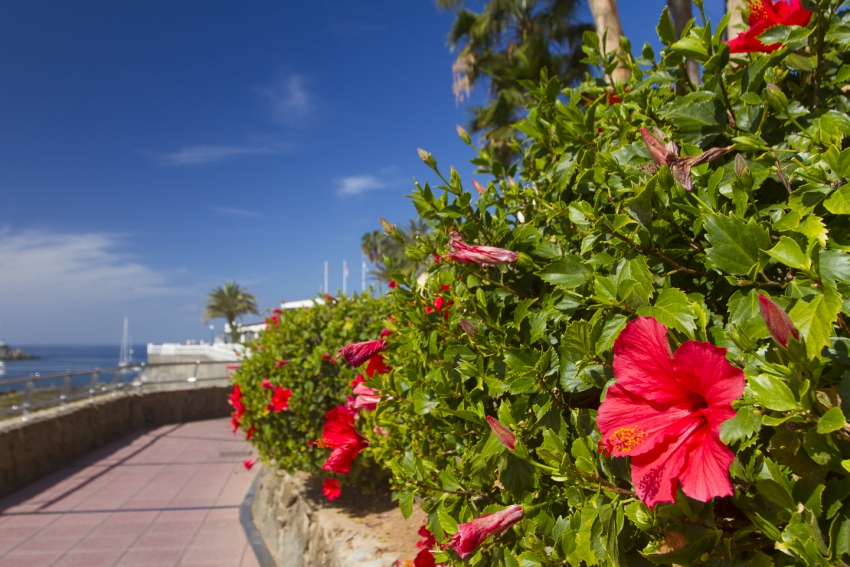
(376, 245)
(230, 302)
(508, 42)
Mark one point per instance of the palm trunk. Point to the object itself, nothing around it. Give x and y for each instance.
(607, 19)
(736, 23)
(682, 13)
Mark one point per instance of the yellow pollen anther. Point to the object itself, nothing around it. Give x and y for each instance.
(757, 10)
(323, 444)
(626, 439)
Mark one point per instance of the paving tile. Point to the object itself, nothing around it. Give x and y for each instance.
(102, 542)
(170, 540)
(136, 557)
(30, 560)
(104, 558)
(47, 545)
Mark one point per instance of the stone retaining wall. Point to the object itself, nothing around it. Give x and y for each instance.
(301, 529)
(53, 438)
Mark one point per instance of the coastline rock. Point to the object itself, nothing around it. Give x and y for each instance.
(8, 353)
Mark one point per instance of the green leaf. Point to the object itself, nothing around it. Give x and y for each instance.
(691, 47)
(788, 252)
(697, 542)
(772, 393)
(740, 427)
(673, 309)
(835, 265)
(567, 272)
(405, 503)
(838, 161)
(814, 319)
(665, 29)
(735, 246)
(640, 206)
(832, 420)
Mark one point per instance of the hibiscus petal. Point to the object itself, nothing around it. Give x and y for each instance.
(706, 474)
(655, 475)
(702, 368)
(643, 362)
(630, 425)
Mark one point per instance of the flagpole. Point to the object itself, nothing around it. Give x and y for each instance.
(344, 275)
(326, 277)
(362, 274)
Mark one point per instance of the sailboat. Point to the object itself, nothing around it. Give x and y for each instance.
(125, 359)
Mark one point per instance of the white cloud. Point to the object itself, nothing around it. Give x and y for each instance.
(357, 184)
(291, 103)
(206, 154)
(232, 211)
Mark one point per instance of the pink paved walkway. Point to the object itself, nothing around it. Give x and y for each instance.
(165, 497)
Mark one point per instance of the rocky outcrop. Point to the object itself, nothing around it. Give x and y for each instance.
(8, 353)
(301, 529)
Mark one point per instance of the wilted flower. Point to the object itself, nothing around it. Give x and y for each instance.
(280, 363)
(280, 399)
(356, 354)
(764, 14)
(488, 255)
(668, 154)
(249, 463)
(502, 433)
(266, 383)
(470, 535)
(469, 328)
(378, 430)
(366, 398)
(777, 320)
(331, 489)
(665, 412)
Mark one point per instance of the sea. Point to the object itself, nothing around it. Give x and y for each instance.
(54, 359)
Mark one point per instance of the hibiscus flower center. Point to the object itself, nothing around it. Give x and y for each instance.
(626, 439)
(757, 10)
(697, 402)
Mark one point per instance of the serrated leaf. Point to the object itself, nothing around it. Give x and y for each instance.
(735, 246)
(740, 427)
(772, 393)
(815, 319)
(567, 272)
(838, 203)
(788, 252)
(673, 309)
(835, 265)
(405, 503)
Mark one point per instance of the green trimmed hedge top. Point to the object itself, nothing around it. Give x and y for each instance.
(632, 347)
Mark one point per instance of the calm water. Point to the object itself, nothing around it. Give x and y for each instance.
(55, 359)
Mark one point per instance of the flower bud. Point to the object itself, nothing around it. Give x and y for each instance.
(478, 187)
(740, 165)
(464, 135)
(386, 225)
(502, 433)
(427, 158)
(777, 320)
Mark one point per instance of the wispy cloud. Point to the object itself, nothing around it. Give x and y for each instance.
(357, 184)
(350, 28)
(290, 101)
(232, 211)
(193, 155)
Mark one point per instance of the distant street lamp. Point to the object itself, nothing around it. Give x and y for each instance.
(212, 334)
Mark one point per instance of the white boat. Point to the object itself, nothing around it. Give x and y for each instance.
(2, 368)
(126, 357)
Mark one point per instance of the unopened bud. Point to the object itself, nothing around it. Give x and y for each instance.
(427, 158)
(386, 225)
(464, 135)
(740, 165)
(478, 187)
(502, 433)
(777, 320)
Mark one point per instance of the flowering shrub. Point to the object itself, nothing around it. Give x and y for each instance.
(291, 381)
(645, 359)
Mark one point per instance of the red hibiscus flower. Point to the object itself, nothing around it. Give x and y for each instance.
(280, 399)
(665, 411)
(273, 321)
(239, 409)
(367, 398)
(266, 383)
(470, 535)
(356, 354)
(502, 433)
(392, 284)
(385, 333)
(250, 432)
(330, 298)
(378, 430)
(668, 154)
(342, 438)
(764, 14)
(778, 322)
(331, 489)
(425, 558)
(440, 303)
(232, 366)
(377, 365)
(234, 423)
(280, 363)
(342, 413)
(327, 357)
(249, 463)
(359, 379)
(488, 255)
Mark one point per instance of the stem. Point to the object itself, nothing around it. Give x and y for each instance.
(602, 482)
(819, 54)
(460, 492)
(781, 174)
(656, 253)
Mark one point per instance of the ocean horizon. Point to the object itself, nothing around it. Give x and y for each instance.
(64, 358)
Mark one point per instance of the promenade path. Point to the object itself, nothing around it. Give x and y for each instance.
(164, 497)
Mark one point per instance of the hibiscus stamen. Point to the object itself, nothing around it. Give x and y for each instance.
(626, 439)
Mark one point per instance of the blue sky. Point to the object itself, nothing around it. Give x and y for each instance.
(151, 150)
